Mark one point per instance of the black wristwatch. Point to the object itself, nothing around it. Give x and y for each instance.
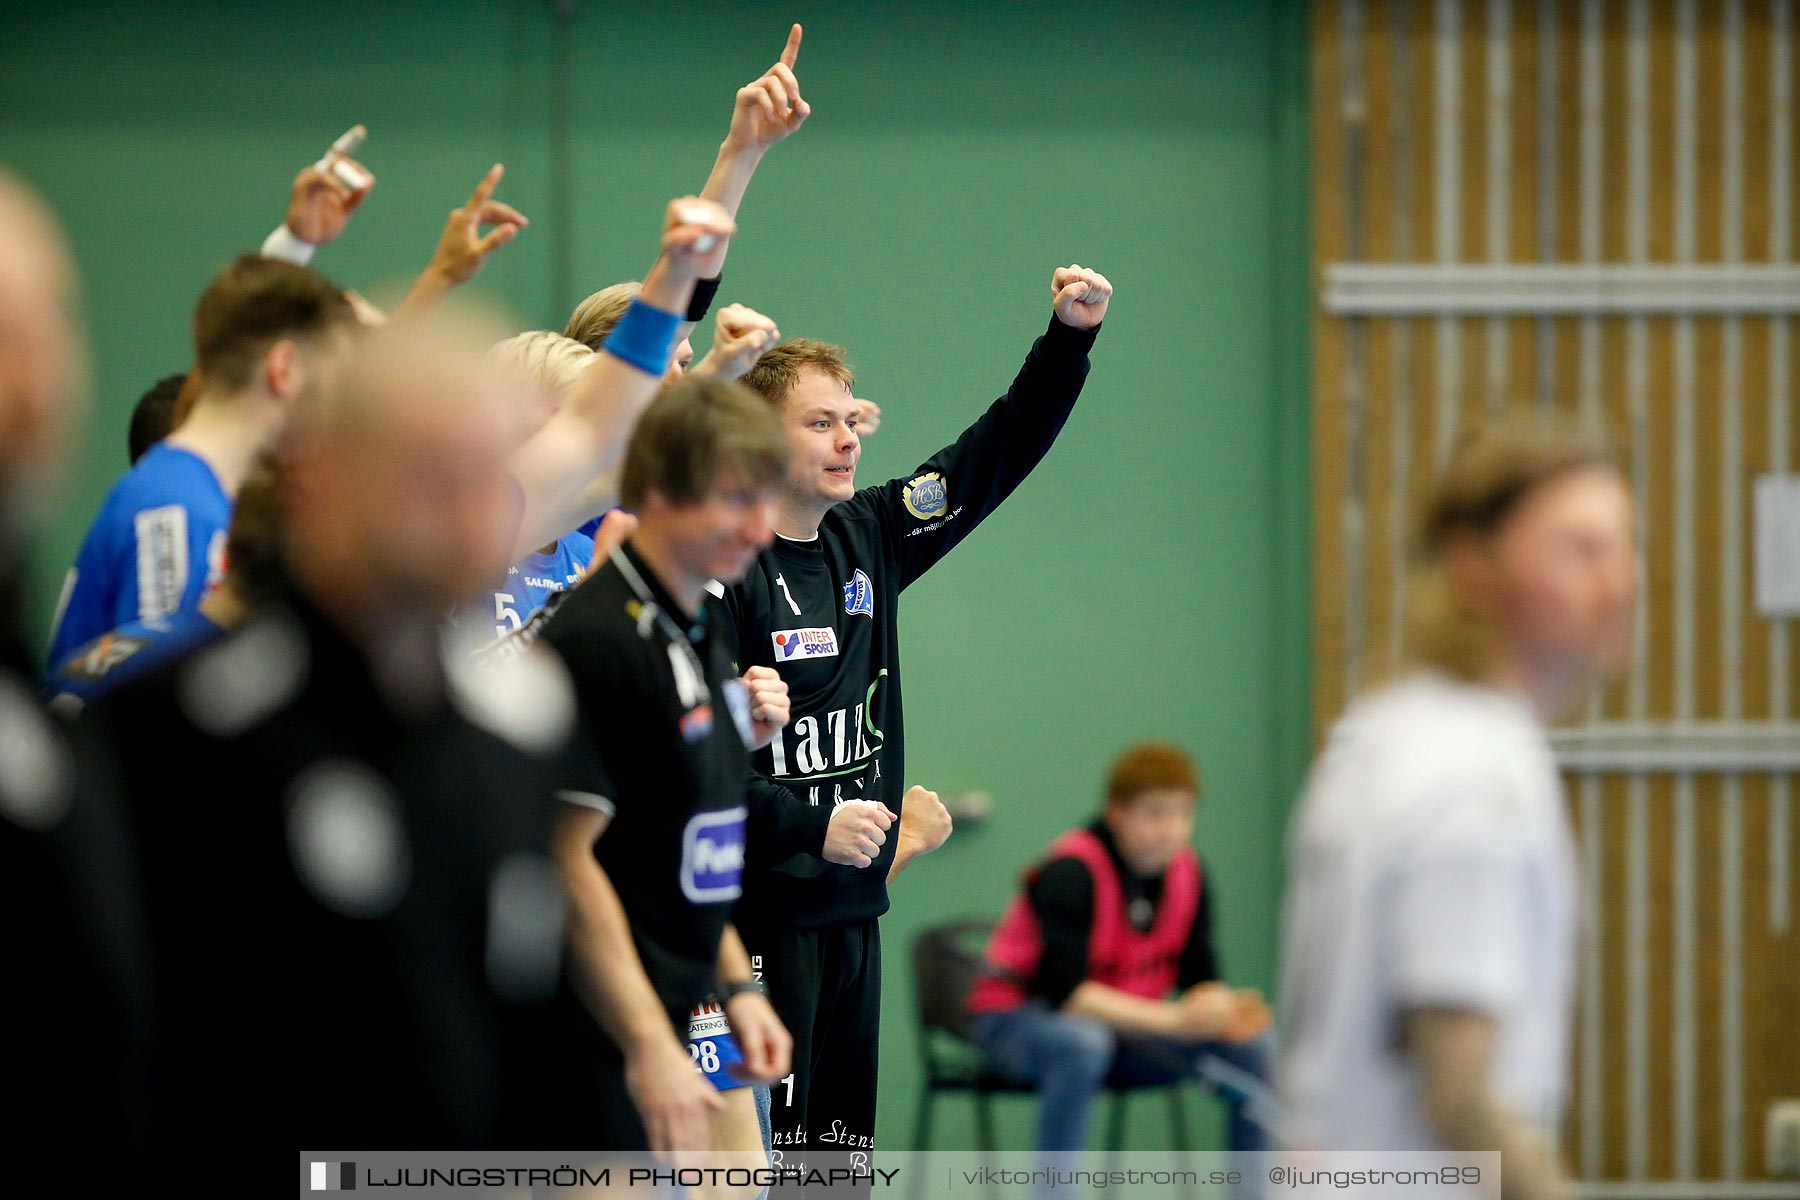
(729, 990)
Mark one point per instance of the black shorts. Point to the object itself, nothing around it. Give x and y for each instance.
(825, 985)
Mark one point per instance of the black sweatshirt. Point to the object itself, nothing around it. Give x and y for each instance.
(328, 846)
(1062, 896)
(668, 765)
(825, 613)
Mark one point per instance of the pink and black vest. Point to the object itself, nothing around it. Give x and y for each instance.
(1143, 964)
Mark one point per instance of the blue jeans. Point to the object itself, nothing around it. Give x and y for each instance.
(765, 1101)
(1068, 1059)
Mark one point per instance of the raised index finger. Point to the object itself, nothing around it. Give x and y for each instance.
(792, 51)
(485, 188)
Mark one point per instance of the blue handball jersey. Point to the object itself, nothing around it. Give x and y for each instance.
(156, 547)
(532, 580)
(122, 655)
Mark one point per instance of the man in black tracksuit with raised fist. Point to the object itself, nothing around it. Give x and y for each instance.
(820, 606)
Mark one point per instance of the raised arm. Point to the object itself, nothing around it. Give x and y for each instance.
(766, 111)
(930, 511)
(462, 248)
(740, 336)
(585, 440)
(321, 201)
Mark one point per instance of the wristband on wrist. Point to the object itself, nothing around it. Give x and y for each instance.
(701, 302)
(644, 337)
(282, 244)
(729, 991)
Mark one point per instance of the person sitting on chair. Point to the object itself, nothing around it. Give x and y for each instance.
(1103, 967)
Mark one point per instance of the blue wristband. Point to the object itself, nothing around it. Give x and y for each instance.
(644, 337)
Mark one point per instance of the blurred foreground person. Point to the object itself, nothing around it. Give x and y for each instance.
(364, 851)
(1431, 924)
(351, 902)
(76, 981)
(40, 373)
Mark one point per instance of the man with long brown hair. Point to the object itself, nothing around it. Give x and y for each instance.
(1432, 919)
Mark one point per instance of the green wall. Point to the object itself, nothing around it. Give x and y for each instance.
(1150, 580)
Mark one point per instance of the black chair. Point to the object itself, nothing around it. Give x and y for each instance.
(946, 960)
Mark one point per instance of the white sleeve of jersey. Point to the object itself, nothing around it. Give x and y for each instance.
(1460, 912)
(593, 800)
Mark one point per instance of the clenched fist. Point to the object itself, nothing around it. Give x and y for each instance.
(1079, 296)
(692, 230)
(768, 704)
(924, 822)
(857, 832)
(740, 335)
(868, 417)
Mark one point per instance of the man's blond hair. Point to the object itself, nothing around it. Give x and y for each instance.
(549, 360)
(595, 317)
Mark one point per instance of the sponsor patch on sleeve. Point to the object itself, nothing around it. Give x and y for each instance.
(712, 856)
(162, 559)
(926, 496)
(103, 654)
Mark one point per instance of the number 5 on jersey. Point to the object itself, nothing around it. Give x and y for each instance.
(506, 617)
